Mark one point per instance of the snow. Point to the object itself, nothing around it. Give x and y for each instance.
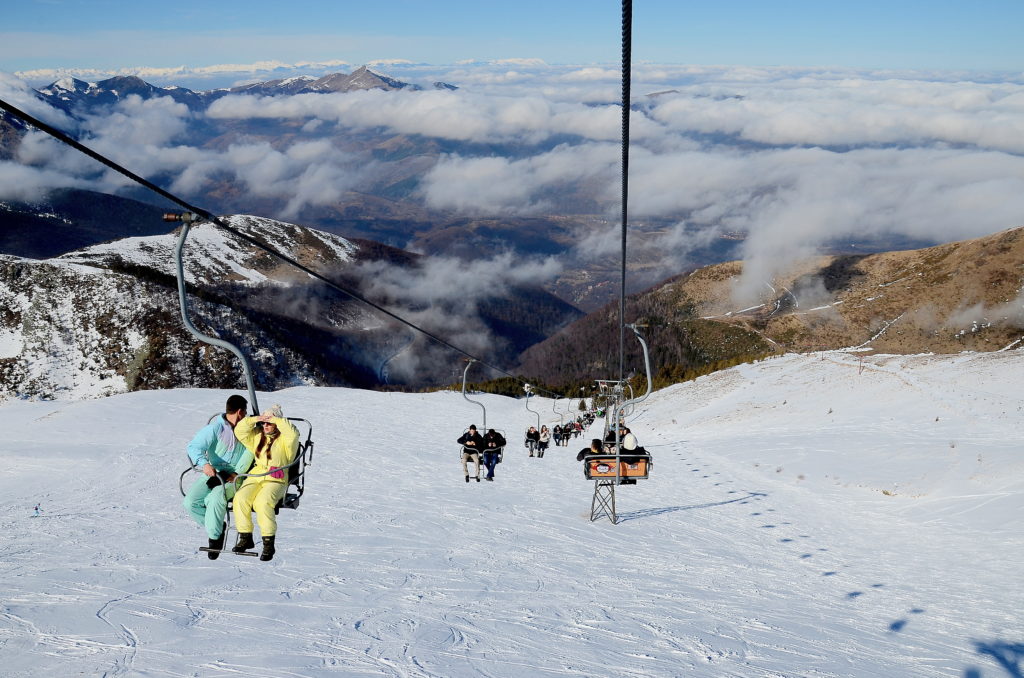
(212, 253)
(11, 343)
(820, 515)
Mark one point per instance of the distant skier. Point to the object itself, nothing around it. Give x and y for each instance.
(37, 510)
(220, 456)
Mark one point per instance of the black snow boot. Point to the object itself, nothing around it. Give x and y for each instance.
(244, 542)
(268, 549)
(216, 544)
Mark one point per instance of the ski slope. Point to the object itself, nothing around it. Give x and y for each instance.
(819, 515)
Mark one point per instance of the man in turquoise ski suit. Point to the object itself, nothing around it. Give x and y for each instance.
(217, 452)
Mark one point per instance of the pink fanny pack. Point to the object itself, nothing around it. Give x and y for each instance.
(276, 472)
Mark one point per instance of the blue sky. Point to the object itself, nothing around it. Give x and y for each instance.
(874, 34)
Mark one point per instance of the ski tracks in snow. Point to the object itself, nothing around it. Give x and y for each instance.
(394, 566)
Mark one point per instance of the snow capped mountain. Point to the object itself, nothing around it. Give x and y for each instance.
(293, 85)
(360, 79)
(805, 516)
(77, 96)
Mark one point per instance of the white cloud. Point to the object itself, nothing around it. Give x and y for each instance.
(496, 185)
(519, 62)
(854, 112)
(794, 158)
(23, 183)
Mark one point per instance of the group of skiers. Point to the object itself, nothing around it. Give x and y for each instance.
(257, 448)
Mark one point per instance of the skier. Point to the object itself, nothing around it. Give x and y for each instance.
(37, 510)
(472, 444)
(274, 442)
(220, 456)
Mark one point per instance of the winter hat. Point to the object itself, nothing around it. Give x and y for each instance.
(274, 411)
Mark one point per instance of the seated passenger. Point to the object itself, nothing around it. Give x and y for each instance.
(493, 444)
(595, 448)
(532, 439)
(472, 445)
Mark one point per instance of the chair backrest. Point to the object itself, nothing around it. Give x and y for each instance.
(297, 472)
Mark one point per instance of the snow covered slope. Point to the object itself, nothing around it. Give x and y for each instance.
(806, 516)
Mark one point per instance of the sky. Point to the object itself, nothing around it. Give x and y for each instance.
(815, 515)
(911, 34)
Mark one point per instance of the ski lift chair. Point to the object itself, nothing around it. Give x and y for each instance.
(296, 471)
(501, 450)
(632, 466)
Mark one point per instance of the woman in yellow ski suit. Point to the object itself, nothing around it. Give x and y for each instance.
(273, 441)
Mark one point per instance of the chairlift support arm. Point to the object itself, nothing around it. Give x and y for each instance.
(529, 392)
(187, 219)
(475, 402)
(647, 367)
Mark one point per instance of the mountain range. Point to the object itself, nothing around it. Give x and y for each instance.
(77, 96)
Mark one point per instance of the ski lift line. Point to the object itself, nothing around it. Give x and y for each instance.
(627, 38)
(220, 223)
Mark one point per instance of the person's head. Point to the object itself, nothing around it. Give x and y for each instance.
(472, 428)
(270, 428)
(533, 428)
(543, 428)
(490, 431)
(596, 444)
(234, 410)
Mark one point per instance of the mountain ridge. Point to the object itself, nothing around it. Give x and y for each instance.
(961, 296)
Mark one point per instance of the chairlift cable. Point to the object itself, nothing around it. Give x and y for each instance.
(220, 223)
(627, 36)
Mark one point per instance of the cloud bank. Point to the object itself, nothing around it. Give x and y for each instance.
(792, 158)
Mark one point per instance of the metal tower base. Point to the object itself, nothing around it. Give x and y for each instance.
(603, 503)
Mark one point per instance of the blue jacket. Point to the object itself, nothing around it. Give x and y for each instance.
(215, 444)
